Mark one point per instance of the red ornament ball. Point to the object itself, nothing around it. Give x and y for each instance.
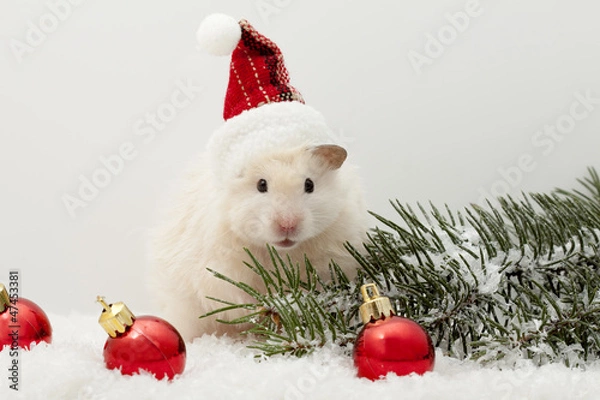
(151, 344)
(22, 324)
(393, 344)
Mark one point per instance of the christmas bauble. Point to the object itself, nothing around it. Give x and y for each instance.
(141, 343)
(389, 343)
(22, 322)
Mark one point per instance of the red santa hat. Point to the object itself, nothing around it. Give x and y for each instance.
(262, 110)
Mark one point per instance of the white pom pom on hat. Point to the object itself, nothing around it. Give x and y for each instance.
(219, 34)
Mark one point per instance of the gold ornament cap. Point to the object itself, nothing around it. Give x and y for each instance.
(4, 298)
(115, 318)
(374, 305)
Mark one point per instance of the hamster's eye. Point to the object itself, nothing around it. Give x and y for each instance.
(309, 185)
(261, 185)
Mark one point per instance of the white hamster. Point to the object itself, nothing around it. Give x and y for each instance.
(302, 200)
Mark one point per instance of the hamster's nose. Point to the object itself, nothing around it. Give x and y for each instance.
(288, 225)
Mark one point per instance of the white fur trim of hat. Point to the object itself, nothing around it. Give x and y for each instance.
(270, 126)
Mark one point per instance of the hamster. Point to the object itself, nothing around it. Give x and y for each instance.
(301, 200)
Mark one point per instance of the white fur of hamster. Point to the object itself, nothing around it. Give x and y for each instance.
(213, 221)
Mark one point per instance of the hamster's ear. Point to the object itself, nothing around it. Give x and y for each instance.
(330, 156)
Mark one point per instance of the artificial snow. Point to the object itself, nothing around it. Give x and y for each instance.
(222, 368)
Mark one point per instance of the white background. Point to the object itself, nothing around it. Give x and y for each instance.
(442, 132)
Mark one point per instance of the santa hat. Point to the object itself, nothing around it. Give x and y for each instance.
(262, 110)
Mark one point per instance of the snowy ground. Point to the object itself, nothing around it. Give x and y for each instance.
(220, 368)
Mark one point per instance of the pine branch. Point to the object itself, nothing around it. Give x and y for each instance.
(520, 279)
(296, 314)
(532, 290)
